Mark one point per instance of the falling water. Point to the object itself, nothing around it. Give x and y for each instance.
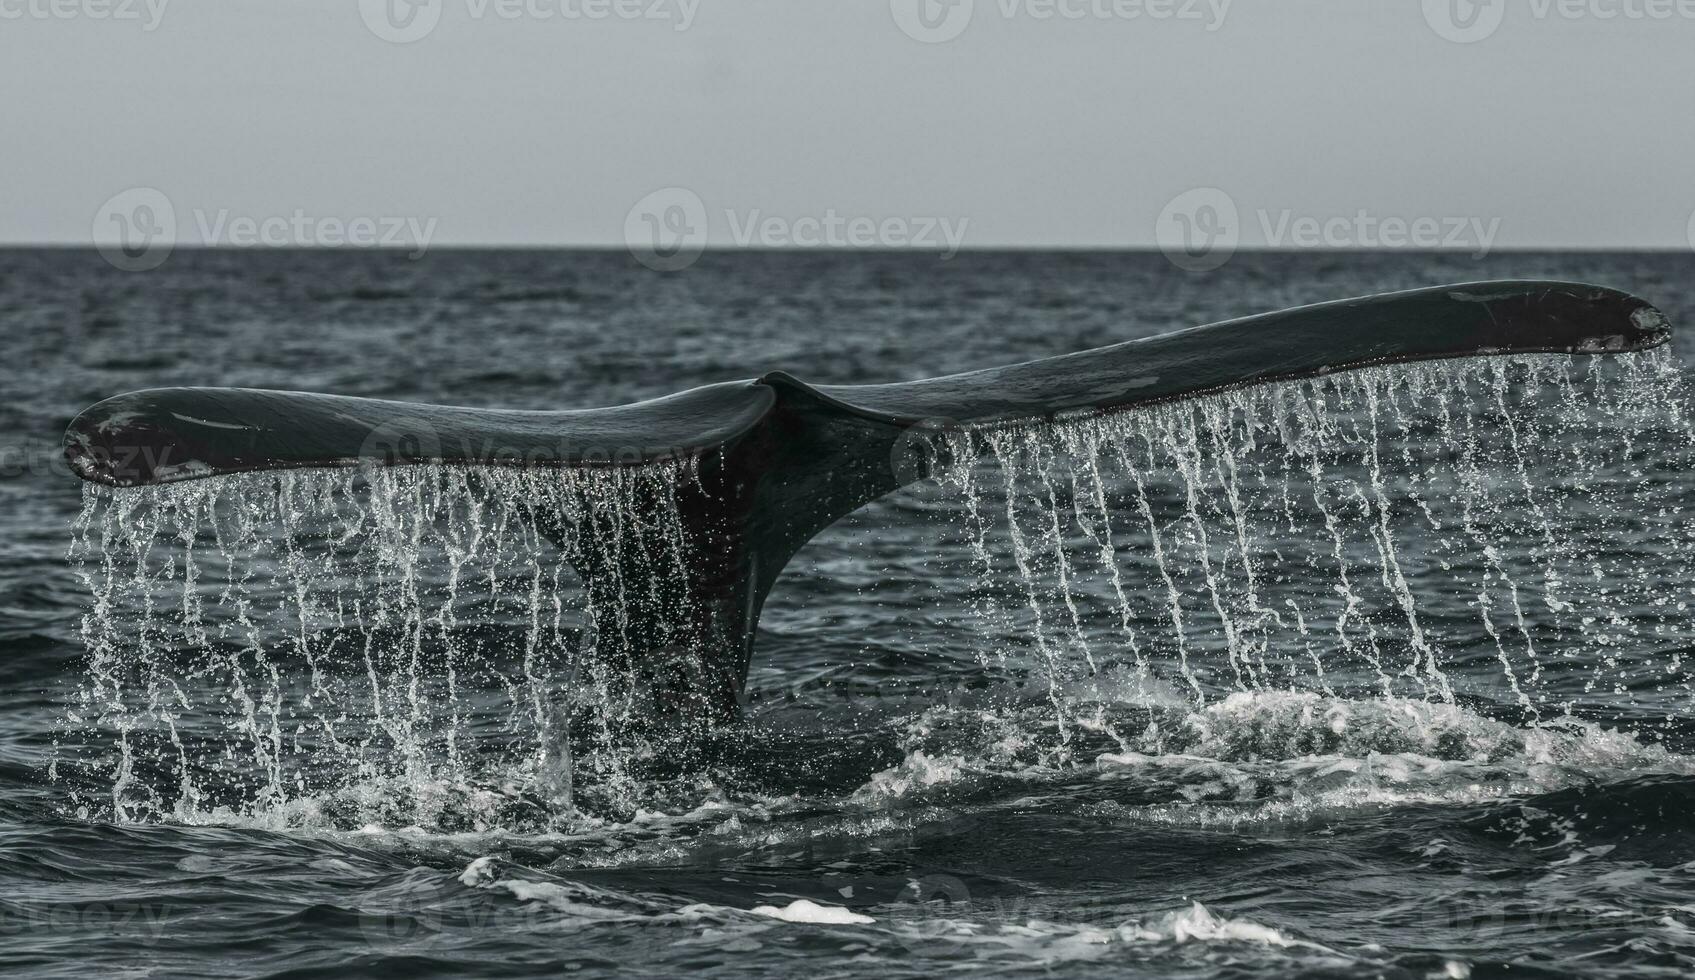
(341, 635)
(334, 644)
(1439, 533)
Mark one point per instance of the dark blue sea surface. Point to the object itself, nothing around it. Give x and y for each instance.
(915, 788)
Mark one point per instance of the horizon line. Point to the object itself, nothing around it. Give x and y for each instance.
(875, 250)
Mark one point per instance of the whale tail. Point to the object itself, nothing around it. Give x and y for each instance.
(773, 461)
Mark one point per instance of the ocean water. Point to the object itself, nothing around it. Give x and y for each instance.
(1382, 676)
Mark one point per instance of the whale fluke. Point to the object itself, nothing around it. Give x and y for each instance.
(775, 460)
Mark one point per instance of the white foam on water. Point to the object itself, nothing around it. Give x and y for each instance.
(1269, 757)
(478, 871)
(803, 910)
(1000, 936)
(916, 772)
(573, 902)
(1197, 924)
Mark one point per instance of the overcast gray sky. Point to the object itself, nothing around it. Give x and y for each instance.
(1024, 122)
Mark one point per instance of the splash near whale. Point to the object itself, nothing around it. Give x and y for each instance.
(1256, 505)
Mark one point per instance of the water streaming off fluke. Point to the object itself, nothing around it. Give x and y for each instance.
(342, 628)
(414, 645)
(1349, 534)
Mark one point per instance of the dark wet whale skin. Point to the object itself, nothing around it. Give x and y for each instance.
(168, 434)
